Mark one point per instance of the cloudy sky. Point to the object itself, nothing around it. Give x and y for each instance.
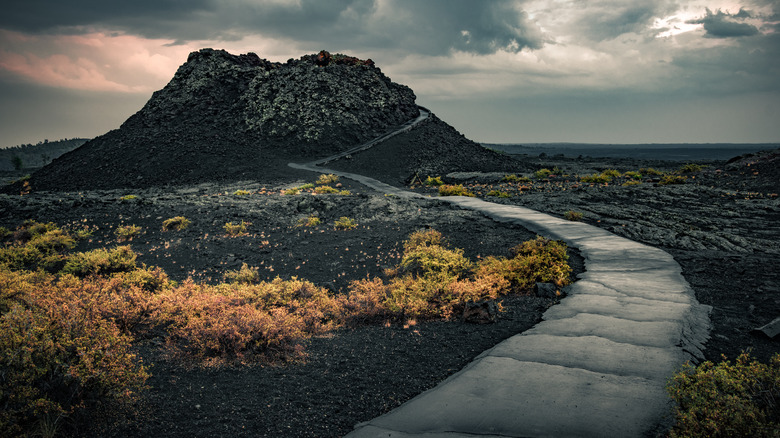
(524, 71)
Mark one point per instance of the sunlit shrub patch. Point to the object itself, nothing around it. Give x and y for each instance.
(127, 232)
(177, 223)
(454, 190)
(727, 399)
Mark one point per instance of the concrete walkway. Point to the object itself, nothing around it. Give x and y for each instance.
(595, 367)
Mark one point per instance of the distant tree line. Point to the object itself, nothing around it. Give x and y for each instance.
(30, 156)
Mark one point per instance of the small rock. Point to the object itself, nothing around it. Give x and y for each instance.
(548, 290)
(480, 312)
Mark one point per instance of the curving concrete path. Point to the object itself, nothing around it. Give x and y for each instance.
(595, 367)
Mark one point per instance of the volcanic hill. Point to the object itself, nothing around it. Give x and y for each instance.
(237, 117)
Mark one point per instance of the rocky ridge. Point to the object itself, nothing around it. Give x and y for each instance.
(230, 117)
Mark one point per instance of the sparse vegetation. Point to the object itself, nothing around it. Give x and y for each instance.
(633, 175)
(690, 168)
(345, 223)
(454, 190)
(311, 221)
(672, 179)
(128, 198)
(596, 178)
(434, 181)
(513, 178)
(245, 275)
(542, 173)
(612, 173)
(176, 223)
(241, 193)
(574, 216)
(632, 182)
(727, 400)
(323, 190)
(499, 194)
(292, 191)
(235, 230)
(328, 178)
(127, 232)
(650, 171)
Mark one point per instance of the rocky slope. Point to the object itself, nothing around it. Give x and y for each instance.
(224, 116)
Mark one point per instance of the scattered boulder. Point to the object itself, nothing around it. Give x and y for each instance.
(480, 312)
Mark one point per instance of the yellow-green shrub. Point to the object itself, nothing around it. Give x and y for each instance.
(672, 179)
(596, 178)
(454, 190)
(433, 181)
(542, 173)
(127, 232)
(499, 194)
(245, 275)
(327, 179)
(101, 261)
(345, 223)
(727, 400)
(241, 192)
(236, 229)
(176, 223)
(574, 216)
(323, 190)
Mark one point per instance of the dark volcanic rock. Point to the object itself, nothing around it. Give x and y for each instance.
(433, 148)
(228, 117)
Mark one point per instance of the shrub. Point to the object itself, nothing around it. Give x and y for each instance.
(345, 223)
(177, 223)
(573, 216)
(5, 232)
(327, 179)
(596, 178)
(235, 230)
(631, 183)
(36, 245)
(100, 261)
(539, 260)
(325, 190)
(306, 186)
(128, 198)
(725, 399)
(311, 221)
(649, 171)
(267, 321)
(612, 173)
(434, 261)
(451, 190)
(690, 168)
(241, 193)
(345, 193)
(499, 194)
(58, 359)
(514, 178)
(433, 181)
(672, 179)
(292, 191)
(245, 275)
(127, 232)
(633, 175)
(542, 173)
(429, 237)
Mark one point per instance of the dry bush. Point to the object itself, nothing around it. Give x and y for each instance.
(101, 261)
(176, 223)
(60, 353)
(238, 322)
(235, 230)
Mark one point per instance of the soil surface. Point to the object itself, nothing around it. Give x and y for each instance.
(722, 225)
(348, 376)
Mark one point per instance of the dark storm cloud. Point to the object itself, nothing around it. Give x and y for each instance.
(47, 15)
(433, 27)
(721, 24)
